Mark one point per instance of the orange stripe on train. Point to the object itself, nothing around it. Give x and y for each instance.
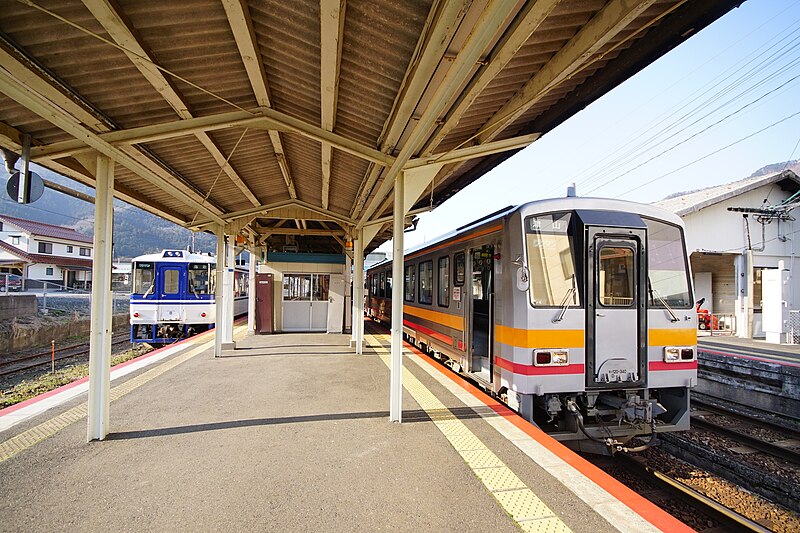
(540, 338)
(672, 337)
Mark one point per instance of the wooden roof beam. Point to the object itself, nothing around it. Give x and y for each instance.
(245, 37)
(119, 30)
(604, 26)
(331, 37)
(527, 22)
(443, 22)
(160, 178)
(490, 23)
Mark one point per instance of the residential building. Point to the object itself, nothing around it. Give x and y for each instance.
(45, 252)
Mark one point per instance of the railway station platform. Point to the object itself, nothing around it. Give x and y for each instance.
(291, 432)
(782, 354)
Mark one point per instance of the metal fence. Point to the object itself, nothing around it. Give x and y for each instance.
(57, 299)
(794, 327)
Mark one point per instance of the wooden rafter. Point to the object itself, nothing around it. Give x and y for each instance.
(119, 30)
(331, 37)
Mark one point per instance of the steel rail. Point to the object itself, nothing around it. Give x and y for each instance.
(787, 454)
(713, 509)
(766, 424)
(49, 358)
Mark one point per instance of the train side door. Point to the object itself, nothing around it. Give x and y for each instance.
(481, 311)
(616, 316)
(170, 286)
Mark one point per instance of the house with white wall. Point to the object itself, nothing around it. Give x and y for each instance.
(45, 252)
(735, 232)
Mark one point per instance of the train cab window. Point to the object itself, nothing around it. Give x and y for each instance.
(212, 278)
(382, 285)
(459, 268)
(389, 284)
(143, 274)
(617, 272)
(199, 279)
(171, 280)
(410, 283)
(426, 282)
(444, 282)
(667, 268)
(551, 260)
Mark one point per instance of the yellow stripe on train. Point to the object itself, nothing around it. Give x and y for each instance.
(672, 337)
(540, 338)
(451, 321)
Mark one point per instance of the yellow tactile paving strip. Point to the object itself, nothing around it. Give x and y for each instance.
(521, 504)
(28, 438)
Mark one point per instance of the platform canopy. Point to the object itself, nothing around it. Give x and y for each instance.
(288, 121)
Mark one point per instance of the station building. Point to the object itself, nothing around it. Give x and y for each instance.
(736, 232)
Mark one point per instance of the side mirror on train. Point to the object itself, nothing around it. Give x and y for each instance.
(523, 278)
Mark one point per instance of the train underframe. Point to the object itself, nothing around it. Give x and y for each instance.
(598, 421)
(165, 332)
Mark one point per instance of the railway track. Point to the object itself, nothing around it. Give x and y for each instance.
(663, 484)
(28, 362)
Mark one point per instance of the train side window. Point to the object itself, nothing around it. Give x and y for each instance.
(382, 285)
(410, 283)
(444, 281)
(388, 283)
(426, 282)
(459, 269)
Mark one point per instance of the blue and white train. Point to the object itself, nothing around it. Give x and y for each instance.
(173, 295)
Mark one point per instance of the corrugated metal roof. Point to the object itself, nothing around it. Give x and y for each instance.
(692, 201)
(233, 106)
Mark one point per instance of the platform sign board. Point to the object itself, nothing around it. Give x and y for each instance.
(28, 190)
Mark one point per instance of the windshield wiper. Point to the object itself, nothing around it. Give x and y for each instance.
(662, 301)
(565, 303)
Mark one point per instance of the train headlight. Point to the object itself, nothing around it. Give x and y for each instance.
(554, 357)
(679, 354)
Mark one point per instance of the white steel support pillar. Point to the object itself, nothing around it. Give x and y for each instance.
(102, 301)
(251, 294)
(348, 292)
(396, 368)
(358, 292)
(227, 294)
(218, 292)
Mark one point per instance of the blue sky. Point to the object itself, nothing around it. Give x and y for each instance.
(724, 84)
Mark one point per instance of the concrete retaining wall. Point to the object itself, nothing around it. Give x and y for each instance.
(17, 305)
(21, 336)
(767, 386)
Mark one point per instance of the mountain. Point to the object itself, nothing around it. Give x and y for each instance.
(136, 232)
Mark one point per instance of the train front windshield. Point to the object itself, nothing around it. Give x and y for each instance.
(667, 272)
(143, 275)
(551, 260)
(199, 278)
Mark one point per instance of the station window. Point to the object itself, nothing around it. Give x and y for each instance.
(382, 285)
(48, 271)
(426, 282)
(69, 249)
(85, 252)
(411, 283)
(444, 281)
(45, 247)
(459, 268)
(388, 283)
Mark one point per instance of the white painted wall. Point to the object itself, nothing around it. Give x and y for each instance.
(277, 269)
(715, 229)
